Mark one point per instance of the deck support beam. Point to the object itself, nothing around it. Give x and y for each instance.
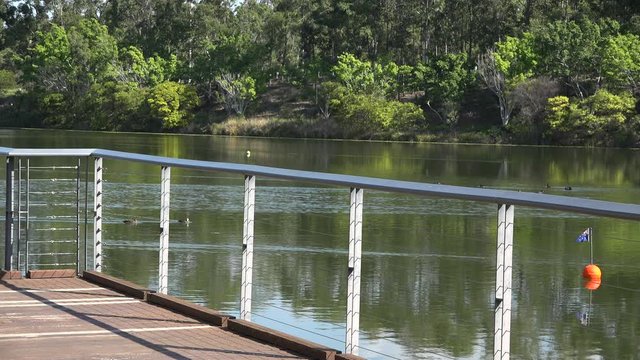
(165, 197)
(8, 222)
(97, 214)
(504, 268)
(353, 271)
(247, 246)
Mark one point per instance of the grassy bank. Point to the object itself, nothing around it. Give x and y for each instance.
(317, 128)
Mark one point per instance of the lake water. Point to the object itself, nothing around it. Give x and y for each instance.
(428, 264)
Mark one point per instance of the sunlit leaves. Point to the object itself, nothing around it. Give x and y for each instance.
(597, 118)
(237, 91)
(172, 103)
(621, 60)
(516, 58)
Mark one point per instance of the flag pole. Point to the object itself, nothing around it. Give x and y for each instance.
(591, 243)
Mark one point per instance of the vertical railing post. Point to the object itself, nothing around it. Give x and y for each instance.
(86, 209)
(18, 236)
(78, 218)
(8, 223)
(353, 270)
(504, 268)
(27, 222)
(97, 214)
(165, 197)
(247, 246)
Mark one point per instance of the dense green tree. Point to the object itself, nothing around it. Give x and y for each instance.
(7, 81)
(20, 22)
(70, 61)
(444, 80)
(568, 50)
(133, 67)
(621, 61)
(595, 119)
(116, 106)
(172, 103)
(237, 92)
(516, 58)
(362, 98)
(63, 66)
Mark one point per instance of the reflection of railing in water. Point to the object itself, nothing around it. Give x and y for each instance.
(506, 201)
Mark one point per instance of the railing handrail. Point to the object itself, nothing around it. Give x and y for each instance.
(505, 199)
(528, 199)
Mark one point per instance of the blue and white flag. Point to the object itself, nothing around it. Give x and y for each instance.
(584, 237)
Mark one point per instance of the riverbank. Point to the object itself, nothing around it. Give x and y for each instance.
(281, 112)
(316, 128)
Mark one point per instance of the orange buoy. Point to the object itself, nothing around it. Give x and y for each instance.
(592, 284)
(592, 272)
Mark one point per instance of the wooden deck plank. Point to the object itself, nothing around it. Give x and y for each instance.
(76, 319)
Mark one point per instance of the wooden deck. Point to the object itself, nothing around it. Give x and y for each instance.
(71, 318)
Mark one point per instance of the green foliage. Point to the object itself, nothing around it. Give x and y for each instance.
(446, 77)
(621, 61)
(54, 108)
(64, 64)
(444, 80)
(172, 103)
(571, 50)
(359, 97)
(608, 108)
(405, 116)
(364, 115)
(49, 65)
(116, 106)
(558, 112)
(406, 80)
(147, 72)
(8, 82)
(595, 119)
(358, 76)
(380, 79)
(516, 58)
(72, 60)
(93, 51)
(237, 91)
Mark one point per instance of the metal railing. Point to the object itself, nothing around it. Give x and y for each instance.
(504, 199)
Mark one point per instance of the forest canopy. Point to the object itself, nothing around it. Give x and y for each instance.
(530, 71)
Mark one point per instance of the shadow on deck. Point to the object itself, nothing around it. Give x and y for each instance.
(98, 316)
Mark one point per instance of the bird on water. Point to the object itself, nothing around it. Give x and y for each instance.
(132, 221)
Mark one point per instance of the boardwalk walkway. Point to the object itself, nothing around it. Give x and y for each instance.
(70, 318)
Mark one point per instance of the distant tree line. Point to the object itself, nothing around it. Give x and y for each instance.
(537, 71)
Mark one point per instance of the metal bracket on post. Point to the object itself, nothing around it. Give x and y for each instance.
(165, 197)
(8, 223)
(504, 268)
(97, 214)
(247, 246)
(354, 267)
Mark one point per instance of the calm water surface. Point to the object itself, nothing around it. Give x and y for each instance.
(428, 265)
